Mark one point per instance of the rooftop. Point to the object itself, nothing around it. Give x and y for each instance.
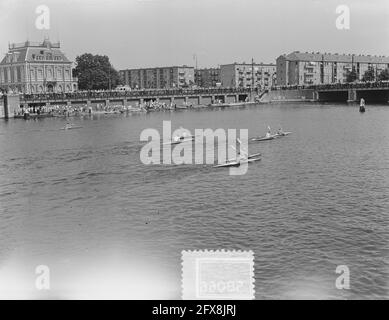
(45, 44)
(249, 64)
(152, 68)
(34, 52)
(335, 57)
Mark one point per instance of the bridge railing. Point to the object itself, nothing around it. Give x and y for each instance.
(87, 95)
(351, 85)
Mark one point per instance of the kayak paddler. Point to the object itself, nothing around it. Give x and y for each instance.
(268, 133)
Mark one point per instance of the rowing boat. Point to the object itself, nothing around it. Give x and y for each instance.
(180, 140)
(282, 134)
(264, 138)
(236, 163)
(70, 128)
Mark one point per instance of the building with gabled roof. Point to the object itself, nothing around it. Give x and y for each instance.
(36, 67)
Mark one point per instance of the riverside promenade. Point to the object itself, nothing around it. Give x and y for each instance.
(15, 104)
(138, 97)
(371, 92)
(341, 92)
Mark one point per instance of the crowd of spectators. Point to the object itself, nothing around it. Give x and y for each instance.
(347, 85)
(109, 94)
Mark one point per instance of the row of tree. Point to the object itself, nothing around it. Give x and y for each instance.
(369, 75)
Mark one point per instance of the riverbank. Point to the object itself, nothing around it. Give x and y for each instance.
(70, 111)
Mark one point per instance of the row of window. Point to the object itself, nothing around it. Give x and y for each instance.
(47, 57)
(38, 73)
(7, 75)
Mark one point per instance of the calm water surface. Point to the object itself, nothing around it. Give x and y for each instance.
(81, 202)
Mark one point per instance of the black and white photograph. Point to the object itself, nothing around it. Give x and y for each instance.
(179, 150)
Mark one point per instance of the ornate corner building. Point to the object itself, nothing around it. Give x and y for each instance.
(36, 68)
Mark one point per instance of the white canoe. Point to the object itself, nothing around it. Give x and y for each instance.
(236, 163)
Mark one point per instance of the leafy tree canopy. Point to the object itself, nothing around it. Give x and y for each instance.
(351, 76)
(95, 72)
(369, 75)
(384, 75)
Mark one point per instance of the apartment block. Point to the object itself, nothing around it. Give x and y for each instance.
(306, 68)
(207, 77)
(158, 78)
(245, 75)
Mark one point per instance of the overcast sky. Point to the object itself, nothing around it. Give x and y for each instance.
(143, 33)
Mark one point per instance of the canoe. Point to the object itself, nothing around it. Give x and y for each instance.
(283, 134)
(71, 128)
(236, 163)
(264, 138)
(179, 141)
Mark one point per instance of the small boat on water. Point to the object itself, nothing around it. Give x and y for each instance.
(282, 134)
(264, 138)
(269, 136)
(179, 139)
(70, 127)
(236, 163)
(243, 157)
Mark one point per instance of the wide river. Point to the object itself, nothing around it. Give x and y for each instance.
(82, 203)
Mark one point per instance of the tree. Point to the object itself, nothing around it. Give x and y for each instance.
(369, 75)
(351, 76)
(384, 75)
(95, 72)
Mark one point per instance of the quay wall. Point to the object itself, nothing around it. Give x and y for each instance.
(9, 105)
(178, 100)
(289, 95)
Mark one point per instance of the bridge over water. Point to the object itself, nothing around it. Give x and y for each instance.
(372, 92)
(342, 92)
(137, 97)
